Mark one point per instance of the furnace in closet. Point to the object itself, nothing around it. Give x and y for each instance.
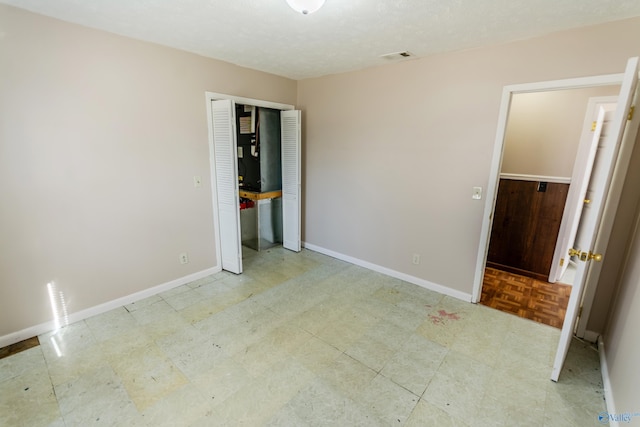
(259, 176)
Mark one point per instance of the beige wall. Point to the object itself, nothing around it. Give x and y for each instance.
(391, 153)
(622, 345)
(100, 137)
(543, 130)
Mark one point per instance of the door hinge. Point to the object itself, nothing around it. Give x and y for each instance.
(561, 262)
(593, 126)
(631, 111)
(580, 311)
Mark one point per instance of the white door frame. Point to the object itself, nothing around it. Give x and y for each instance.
(214, 96)
(496, 160)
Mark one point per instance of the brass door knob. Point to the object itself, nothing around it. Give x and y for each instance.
(585, 256)
(595, 257)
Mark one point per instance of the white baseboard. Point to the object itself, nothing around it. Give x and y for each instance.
(42, 328)
(392, 273)
(606, 382)
(591, 336)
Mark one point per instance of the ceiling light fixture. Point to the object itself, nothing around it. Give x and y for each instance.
(305, 7)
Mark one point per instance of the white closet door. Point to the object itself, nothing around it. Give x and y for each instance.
(226, 163)
(291, 179)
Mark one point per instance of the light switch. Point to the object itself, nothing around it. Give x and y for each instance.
(197, 181)
(477, 193)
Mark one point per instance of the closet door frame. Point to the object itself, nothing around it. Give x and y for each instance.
(214, 96)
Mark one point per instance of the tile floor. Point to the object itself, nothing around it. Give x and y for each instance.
(300, 340)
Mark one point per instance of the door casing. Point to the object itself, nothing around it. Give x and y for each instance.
(496, 160)
(214, 96)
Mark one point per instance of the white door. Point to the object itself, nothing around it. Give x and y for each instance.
(290, 122)
(592, 228)
(600, 111)
(226, 171)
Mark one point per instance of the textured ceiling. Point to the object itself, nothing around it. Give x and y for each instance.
(344, 35)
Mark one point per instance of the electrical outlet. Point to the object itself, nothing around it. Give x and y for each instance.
(183, 258)
(416, 259)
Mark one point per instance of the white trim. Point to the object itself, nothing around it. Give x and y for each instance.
(213, 96)
(543, 178)
(496, 160)
(392, 273)
(42, 328)
(606, 382)
(580, 82)
(490, 194)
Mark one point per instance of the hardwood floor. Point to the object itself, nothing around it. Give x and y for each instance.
(525, 297)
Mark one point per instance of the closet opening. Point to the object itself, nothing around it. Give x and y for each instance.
(259, 176)
(255, 173)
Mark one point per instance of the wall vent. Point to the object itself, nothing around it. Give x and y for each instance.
(394, 56)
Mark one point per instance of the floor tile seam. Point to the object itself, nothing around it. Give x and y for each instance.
(388, 361)
(124, 387)
(314, 335)
(65, 415)
(53, 388)
(55, 394)
(10, 378)
(37, 396)
(486, 394)
(91, 331)
(360, 401)
(173, 292)
(377, 371)
(13, 357)
(327, 342)
(96, 344)
(199, 324)
(333, 389)
(418, 396)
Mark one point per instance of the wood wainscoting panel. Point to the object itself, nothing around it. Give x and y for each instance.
(525, 226)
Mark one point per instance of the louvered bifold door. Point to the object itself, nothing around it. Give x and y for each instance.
(290, 122)
(226, 164)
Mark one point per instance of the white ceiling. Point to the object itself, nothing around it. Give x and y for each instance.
(344, 35)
